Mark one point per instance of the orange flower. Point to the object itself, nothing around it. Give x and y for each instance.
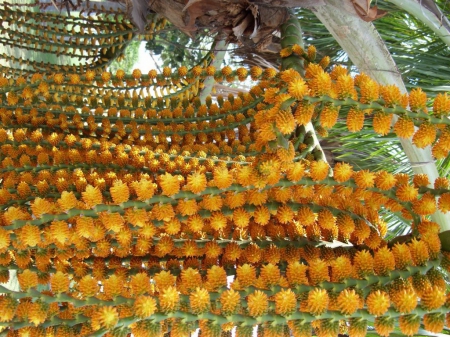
(41, 206)
(433, 298)
(30, 235)
(144, 306)
(241, 218)
(384, 261)
(317, 301)
(348, 301)
(426, 205)
(222, 177)
(318, 170)
(391, 95)
(419, 252)
(106, 316)
(304, 113)
(384, 325)
(298, 88)
(27, 279)
(345, 87)
(425, 136)
(318, 271)
(230, 301)
(417, 100)
(59, 282)
(257, 303)
(285, 122)
(169, 299)
(404, 127)
(382, 123)
(406, 192)
(329, 116)
(195, 223)
(67, 201)
(363, 262)
(441, 105)
(88, 286)
(409, 324)
(199, 301)
(4, 239)
(285, 302)
(246, 275)
(119, 192)
(434, 322)
(355, 120)
(170, 184)
(270, 274)
(196, 182)
(92, 196)
(378, 302)
(364, 179)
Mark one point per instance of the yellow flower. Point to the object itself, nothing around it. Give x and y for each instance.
(41, 206)
(404, 127)
(169, 299)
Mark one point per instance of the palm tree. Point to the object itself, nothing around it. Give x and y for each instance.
(128, 199)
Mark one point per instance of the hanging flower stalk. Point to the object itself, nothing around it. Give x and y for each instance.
(133, 208)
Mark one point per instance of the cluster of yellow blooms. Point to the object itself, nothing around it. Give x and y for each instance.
(128, 213)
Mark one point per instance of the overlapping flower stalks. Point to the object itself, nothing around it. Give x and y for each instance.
(90, 40)
(124, 212)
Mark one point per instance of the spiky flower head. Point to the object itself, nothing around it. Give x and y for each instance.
(382, 123)
(409, 324)
(384, 325)
(425, 136)
(378, 302)
(441, 105)
(348, 301)
(434, 322)
(257, 303)
(317, 301)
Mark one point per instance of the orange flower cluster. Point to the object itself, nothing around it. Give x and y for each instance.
(134, 211)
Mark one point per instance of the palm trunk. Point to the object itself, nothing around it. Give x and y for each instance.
(369, 53)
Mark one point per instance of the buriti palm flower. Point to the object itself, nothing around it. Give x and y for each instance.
(133, 210)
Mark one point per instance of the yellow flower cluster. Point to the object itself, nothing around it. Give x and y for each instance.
(133, 210)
